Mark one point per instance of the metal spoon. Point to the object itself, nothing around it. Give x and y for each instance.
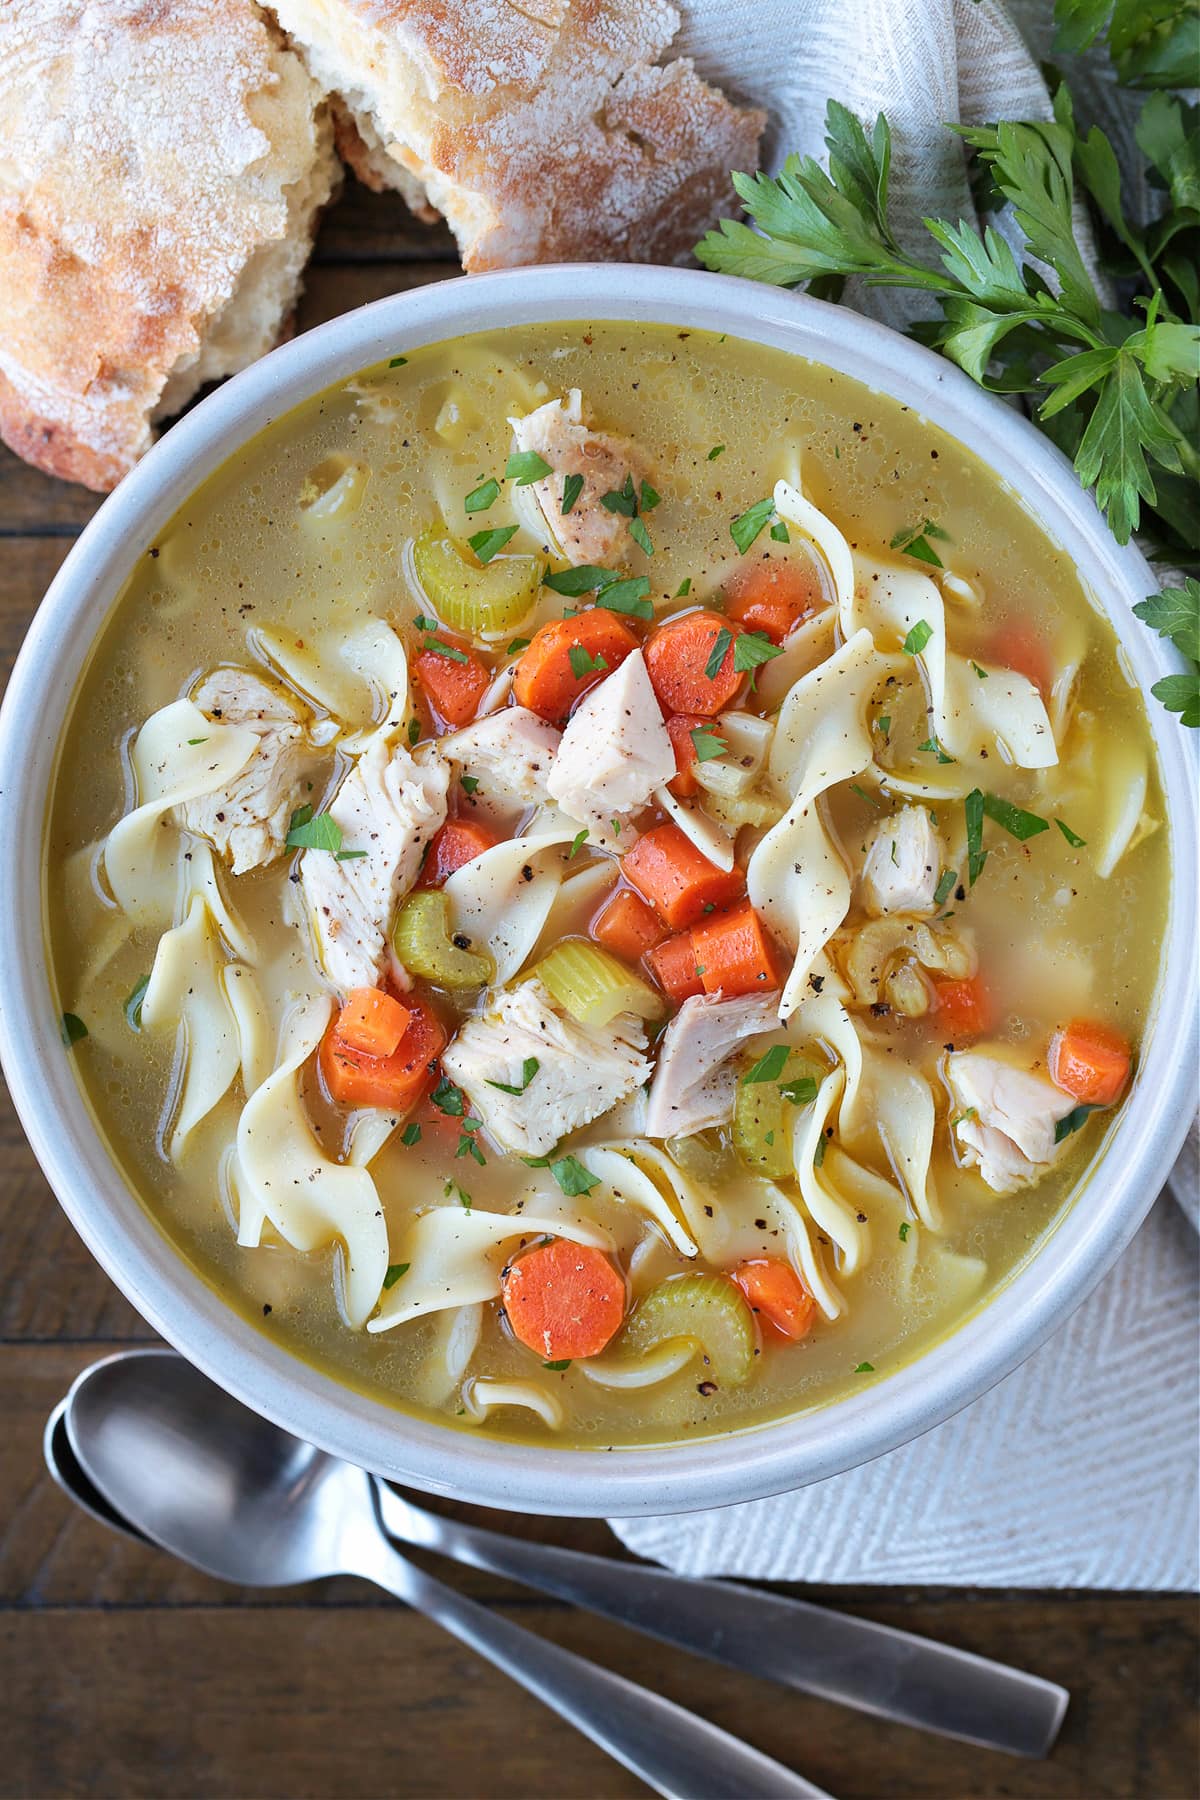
(206, 1478)
(67, 1474)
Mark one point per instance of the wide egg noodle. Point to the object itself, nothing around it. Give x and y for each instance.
(186, 993)
(179, 754)
(252, 1020)
(830, 1212)
(483, 1394)
(796, 877)
(640, 1175)
(449, 1341)
(453, 1257)
(358, 676)
(627, 1374)
(502, 899)
(708, 837)
(285, 1178)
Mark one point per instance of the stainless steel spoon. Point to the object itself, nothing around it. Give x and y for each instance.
(204, 1477)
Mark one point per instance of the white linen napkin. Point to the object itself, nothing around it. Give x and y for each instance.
(1078, 1470)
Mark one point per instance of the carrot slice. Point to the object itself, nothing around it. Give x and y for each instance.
(627, 926)
(459, 841)
(371, 1021)
(563, 1300)
(1017, 645)
(673, 966)
(679, 656)
(773, 596)
(395, 1083)
(1090, 1060)
(779, 1297)
(735, 953)
(667, 869)
(964, 1008)
(680, 727)
(454, 680)
(566, 658)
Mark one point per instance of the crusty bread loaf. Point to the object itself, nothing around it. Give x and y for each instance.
(544, 130)
(162, 164)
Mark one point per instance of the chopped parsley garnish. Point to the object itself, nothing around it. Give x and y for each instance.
(933, 748)
(720, 650)
(572, 1177)
(397, 362)
(71, 1029)
(1013, 819)
(648, 498)
(577, 842)
(308, 833)
(460, 1194)
(904, 1231)
(864, 1368)
(558, 1367)
(895, 855)
(414, 731)
(423, 623)
(524, 466)
(448, 1099)
(469, 783)
(707, 744)
(1074, 1121)
(753, 648)
(801, 1092)
(716, 451)
(982, 673)
(684, 589)
(746, 527)
(976, 854)
(348, 855)
(582, 580)
(572, 488)
(917, 638)
(450, 651)
(1072, 837)
(411, 1135)
(197, 741)
(584, 663)
(395, 1271)
(487, 544)
(480, 498)
(819, 1153)
(468, 1147)
(780, 533)
(884, 725)
(627, 596)
(945, 886)
(640, 536)
(914, 541)
(769, 1067)
(133, 1005)
(529, 1069)
(864, 794)
(960, 1118)
(517, 645)
(621, 500)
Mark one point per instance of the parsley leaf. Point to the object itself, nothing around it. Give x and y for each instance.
(1075, 841)
(917, 638)
(577, 842)
(397, 362)
(976, 854)
(780, 533)
(572, 488)
(904, 1231)
(640, 536)
(448, 1099)
(801, 1092)
(707, 744)
(529, 1069)
(720, 650)
(769, 1067)
(1074, 1121)
(394, 1272)
(308, 833)
(557, 1367)
(71, 1029)
(864, 1368)
(648, 498)
(487, 544)
(747, 526)
(524, 466)
(133, 1005)
(753, 648)
(945, 886)
(627, 597)
(621, 500)
(914, 541)
(933, 748)
(583, 662)
(572, 1177)
(480, 498)
(450, 651)
(1013, 819)
(582, 580)
(411, 1135)
(717, 450)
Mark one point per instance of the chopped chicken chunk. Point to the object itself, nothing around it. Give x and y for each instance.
(903, 864)
(694, 1083)
(509, 753)
(387, 809)
(582, 1070)
(615, 751)
(1006, 1118)
(247, 822)
(589, 533)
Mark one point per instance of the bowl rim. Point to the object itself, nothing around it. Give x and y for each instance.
(744, 1463)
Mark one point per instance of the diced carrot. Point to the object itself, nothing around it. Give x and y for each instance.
(678, 655)
(1090, 1060)
(673, 966)
(627, 926)
(964, 1008)
(667, 869)
(563, 1300)
(777, 1294)
(395, 1083)
(459, 841)
(735, 953)
(772, 595)
(566, 658)
(454, 680)
(371, 1021)
(680, 727)
(1017, 645)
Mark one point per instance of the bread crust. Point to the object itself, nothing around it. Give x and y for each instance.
(164, 162)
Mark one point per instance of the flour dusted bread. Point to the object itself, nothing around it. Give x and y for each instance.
(162, 163)
(544, 131)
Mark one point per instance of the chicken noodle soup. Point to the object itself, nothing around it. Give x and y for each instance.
(606, 882)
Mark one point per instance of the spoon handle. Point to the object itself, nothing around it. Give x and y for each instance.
(856, 1662)
(672, 1750)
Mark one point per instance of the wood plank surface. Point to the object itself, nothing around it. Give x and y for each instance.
(123, 1673)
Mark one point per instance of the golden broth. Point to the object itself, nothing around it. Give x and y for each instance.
(252, 547)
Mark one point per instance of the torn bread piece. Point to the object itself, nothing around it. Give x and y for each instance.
(160, 179)
(543, 130)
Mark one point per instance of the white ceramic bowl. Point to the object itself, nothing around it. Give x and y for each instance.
(710, 1472)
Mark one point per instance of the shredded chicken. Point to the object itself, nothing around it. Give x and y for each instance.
(615, 751)
(387, 809)
(694, 1083)
(903, 864)
(509, 753)
(1006, 1118)
(247, 822)
(582, 1071)
(590, 532)
(886, 960)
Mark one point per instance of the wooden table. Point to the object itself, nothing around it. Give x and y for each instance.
(122, 1673)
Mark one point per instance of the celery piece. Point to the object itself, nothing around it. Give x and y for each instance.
(480, 601)
(594, 986)
(735, 810)
(706, 1308)
(422, 941)
(765, 1111)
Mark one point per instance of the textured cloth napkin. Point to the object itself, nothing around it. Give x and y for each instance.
(1078, 1470)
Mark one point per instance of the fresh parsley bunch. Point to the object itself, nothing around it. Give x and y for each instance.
(1117, 390)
